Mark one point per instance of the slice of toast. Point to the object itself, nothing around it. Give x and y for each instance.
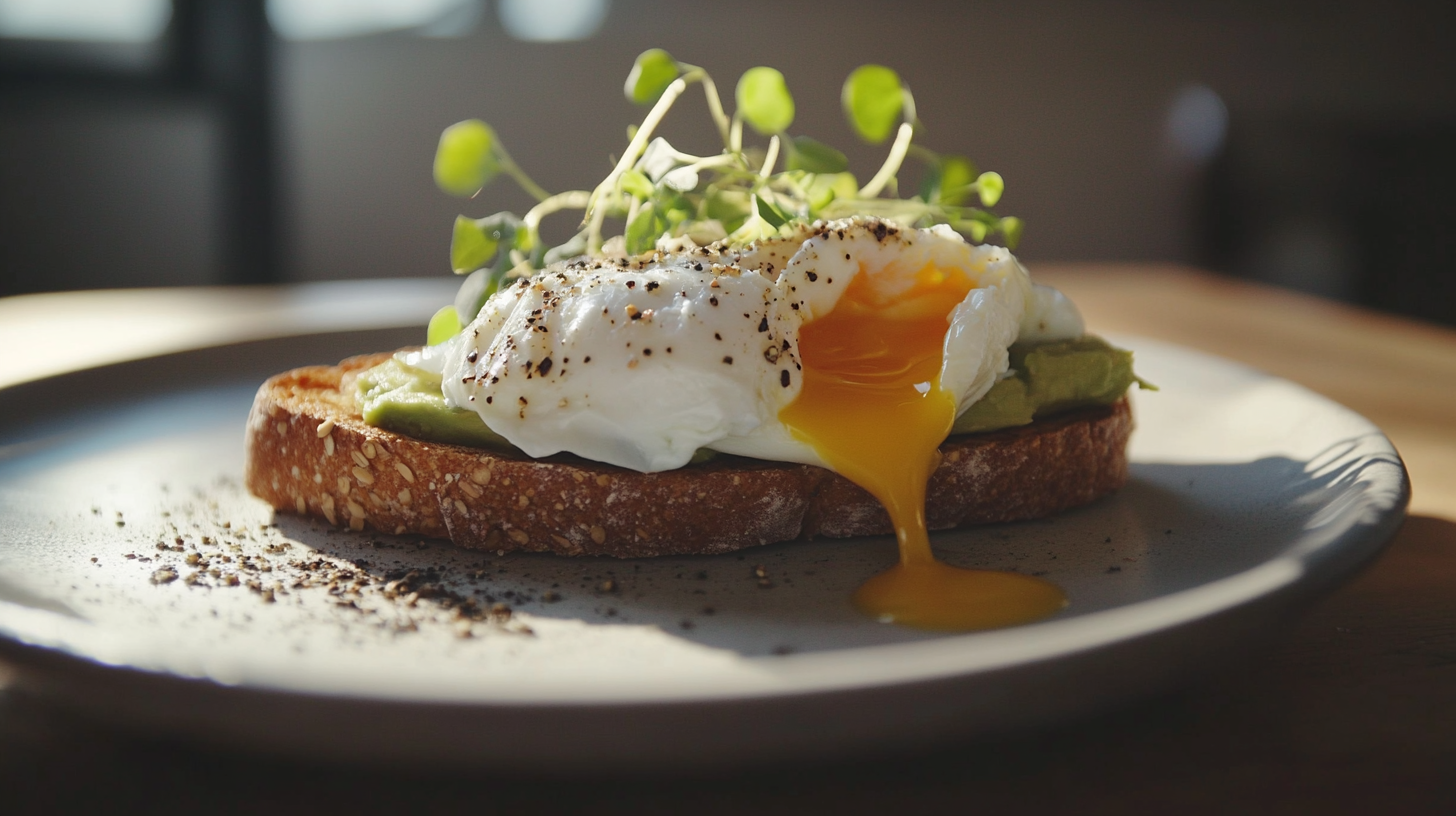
(309, 452)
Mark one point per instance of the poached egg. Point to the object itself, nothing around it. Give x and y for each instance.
(851, 345)
(639, 363)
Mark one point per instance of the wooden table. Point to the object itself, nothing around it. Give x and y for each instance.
(1353, 711)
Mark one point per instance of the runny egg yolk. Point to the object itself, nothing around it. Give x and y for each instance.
(872, 407)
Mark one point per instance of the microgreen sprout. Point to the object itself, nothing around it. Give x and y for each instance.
(735, 194)
(764, 101)
(443, 325)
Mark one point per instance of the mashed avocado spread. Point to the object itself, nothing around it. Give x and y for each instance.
(1044, 379)
(1050, 378)
(408, 401)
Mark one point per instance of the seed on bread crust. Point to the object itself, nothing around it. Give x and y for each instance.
(483, 499)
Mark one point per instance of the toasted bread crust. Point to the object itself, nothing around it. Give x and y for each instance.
(309, 452)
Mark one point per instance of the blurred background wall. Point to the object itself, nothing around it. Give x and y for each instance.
(151, 142)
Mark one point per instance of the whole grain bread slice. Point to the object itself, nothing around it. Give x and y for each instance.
(310, 452)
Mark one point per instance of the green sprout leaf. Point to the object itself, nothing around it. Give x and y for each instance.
(931, 187)
(949, 182)
(465, 160)
(957, 173)
(815, 157)
(975, 229)
(443, 326)
(520, 238)
(1011, 228)
(676, 216)
(990, 186)
(637, 185)
(873, 99)
(828, 187)
(474, 291)
(470, 246)
(475, 241)
(653, 71)
(705, 232)
(764, 101)
(728, 207)
(643, 230)
(771, 214)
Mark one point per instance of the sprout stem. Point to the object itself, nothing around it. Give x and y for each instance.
(710, 92)
(720, 160)
(770, 157)
(513, 170)
(908, 102)
(715, 107)
(570, 200)
(597, 213)
(521, 267)
(892, 162)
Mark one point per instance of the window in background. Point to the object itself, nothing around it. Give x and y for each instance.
(526, 20)
(113, 35)
(553, 20)
(339, 19)
(136, 144)
(131, 21)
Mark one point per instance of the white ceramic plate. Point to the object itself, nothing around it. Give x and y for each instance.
(1248, 495)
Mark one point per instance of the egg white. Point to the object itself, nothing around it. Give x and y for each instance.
(639, 363)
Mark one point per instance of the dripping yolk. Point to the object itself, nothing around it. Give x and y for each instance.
(872, 407)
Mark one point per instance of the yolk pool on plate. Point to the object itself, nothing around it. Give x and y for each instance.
(872, 407)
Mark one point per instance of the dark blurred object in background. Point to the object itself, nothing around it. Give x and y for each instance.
(1353, 210)
(1306, 144)
(136, 144)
